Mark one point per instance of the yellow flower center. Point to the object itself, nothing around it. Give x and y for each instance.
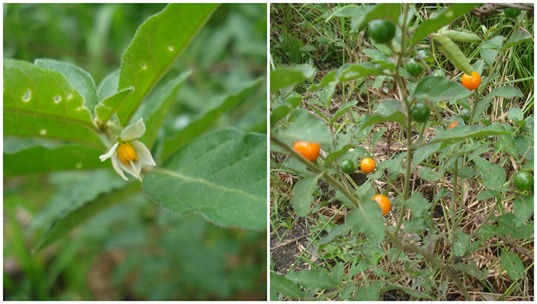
(126, 153)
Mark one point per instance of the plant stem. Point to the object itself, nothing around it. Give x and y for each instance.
(318, 170)
(431, 259)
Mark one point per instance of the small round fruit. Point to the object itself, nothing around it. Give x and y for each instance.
(453, 124)
(347, 166)
(471, 82)
(511, 12)
(384, 203)
(368, 165)
(413, 68)
(381, 31)
(308, 150)
(420, 112)
(523, 180)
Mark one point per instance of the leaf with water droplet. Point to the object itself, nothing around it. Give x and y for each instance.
(30, 93)
(176, 25)
(77, 77)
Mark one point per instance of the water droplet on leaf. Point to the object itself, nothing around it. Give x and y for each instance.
(171, 48)
(144, 66)
(57, 99)
(43, 132)
(27, 96)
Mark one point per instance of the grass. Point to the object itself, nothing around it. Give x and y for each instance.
(461, 205)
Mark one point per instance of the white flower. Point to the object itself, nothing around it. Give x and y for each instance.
(130, 154)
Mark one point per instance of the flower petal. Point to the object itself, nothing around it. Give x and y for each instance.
(109, 153)
(133, 168)
(115, 164)
(144, 156)
(133, 131)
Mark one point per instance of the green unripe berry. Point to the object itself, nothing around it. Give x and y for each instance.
(420, 112)
(523, 180)
(347, 166)
(381, 31)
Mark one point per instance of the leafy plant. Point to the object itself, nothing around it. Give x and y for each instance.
(449, 189)
(57, 119)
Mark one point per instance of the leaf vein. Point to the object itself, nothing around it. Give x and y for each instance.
(207, 183)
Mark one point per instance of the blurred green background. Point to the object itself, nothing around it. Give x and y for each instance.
(134, 250)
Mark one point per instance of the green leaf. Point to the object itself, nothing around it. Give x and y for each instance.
(384, 11)
(517, 37)
(418, 204)
(512, 264)
(507, 92)
(109, 105)
(367, 219)
(515, 114)
(471, 268)
(289, 76)
(82, 211)
(208, 119)
(342, 110)
(368, 292)
(72, 190)
(453, 53)
(221, 176)
(356, 12)
(492, 175)
(42, 103)
(424, 152)
(362, 14)
(507, 226)
(108, 86)
(77, 77)
(443, 18)
(155, 47)
(490, 49)
(41, 159)
(303, 195)
(508, 144)
(156, 106)
(284, 286)
(339, 230)
(459, 133)
(523, 208)
(335, 155)
(388, 110)
(346, 72)
(464, 36)
(429, 174)
(312, 278)
(281, 110)
(461, 243)
(305, 126)
(338, 272)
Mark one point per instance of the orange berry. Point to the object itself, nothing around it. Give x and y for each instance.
(384, 203)
(308, 150)
(471, 82)
(453, 124)
(368, 165)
